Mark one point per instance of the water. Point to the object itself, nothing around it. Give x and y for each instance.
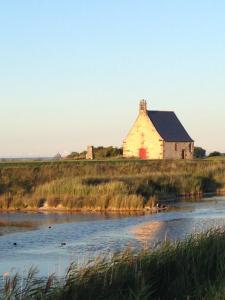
(88, 235)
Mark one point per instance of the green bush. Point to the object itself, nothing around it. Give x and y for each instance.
(199, 152)
(215, 153)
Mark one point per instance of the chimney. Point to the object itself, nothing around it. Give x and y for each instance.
(143, 106)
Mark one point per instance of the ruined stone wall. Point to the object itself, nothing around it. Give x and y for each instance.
(143, 135)
(90, 153)
(174, 150)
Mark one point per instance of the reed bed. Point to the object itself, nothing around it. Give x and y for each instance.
(189, 269)
(122, 185)
(73, 193)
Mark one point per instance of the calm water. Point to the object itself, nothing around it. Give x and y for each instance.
(88, 235)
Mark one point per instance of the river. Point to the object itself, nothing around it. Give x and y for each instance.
(52, 241)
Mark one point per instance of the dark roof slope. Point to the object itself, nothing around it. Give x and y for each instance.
(168, 126)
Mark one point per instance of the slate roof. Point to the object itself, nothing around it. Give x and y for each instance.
(168, 126)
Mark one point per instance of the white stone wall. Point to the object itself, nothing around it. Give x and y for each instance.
(143, 135)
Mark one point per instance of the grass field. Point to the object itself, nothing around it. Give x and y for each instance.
(190, 269)
(101, 185)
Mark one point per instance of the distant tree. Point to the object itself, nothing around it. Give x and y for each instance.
(215, 153)
(199, 152)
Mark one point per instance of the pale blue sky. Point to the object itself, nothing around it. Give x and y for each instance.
(72, 72)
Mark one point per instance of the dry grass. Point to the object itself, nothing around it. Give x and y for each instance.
(106, 184)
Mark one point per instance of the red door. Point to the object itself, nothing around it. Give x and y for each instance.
(142, 153)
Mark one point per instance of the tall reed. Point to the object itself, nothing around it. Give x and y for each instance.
(189, 269)
(105, 184)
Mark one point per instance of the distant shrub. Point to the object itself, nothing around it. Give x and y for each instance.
(77, 155)
(99, 153)
(107, 152)
(199, 152)
(215, 153)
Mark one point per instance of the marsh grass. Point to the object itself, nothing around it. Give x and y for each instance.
(73, 193)
(106, 184)
(189, 269)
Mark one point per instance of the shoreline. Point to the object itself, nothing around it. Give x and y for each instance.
(187, 197)
(65, 210)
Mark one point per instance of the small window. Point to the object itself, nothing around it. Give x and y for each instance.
(175, 147)
(190, 147)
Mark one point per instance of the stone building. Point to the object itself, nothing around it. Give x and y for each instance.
(157, 135)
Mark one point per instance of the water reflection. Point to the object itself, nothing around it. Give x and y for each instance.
(22, 221)
(147, 231)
